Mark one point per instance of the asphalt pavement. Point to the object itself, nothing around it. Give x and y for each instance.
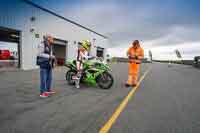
(167, 101)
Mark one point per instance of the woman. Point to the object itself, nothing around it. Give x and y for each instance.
(46, 65)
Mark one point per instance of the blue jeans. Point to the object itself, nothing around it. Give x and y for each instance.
(45, 80)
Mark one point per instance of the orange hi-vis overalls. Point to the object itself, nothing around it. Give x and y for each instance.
(134, 64)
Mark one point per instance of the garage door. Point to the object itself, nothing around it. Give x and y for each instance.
(9, 49)
(60, 51)
(100, 52)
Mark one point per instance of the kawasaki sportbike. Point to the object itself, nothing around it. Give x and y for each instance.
(94, 73)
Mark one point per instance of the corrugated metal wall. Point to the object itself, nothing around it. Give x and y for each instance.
(17, 15)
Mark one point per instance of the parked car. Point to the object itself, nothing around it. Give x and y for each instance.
(5, 54)
(196, 62)
(60, 61)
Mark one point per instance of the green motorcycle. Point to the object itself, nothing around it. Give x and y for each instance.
(94, 73)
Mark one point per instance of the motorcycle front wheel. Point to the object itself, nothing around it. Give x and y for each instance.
(69, 76)
(105, 80)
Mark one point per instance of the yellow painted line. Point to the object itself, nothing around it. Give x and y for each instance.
(120, 108)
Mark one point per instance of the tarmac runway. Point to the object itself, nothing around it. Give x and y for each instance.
(166, 101)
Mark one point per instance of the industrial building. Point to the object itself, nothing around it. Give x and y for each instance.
(24, 23)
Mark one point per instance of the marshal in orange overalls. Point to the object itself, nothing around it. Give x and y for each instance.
(135, 54)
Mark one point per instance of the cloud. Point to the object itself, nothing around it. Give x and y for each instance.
(154, 23)
(187, 49)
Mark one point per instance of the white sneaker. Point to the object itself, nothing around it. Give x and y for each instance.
(77, 86)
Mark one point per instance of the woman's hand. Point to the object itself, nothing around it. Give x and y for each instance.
(52, 57)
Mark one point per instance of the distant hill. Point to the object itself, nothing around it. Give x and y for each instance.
(123, 59)
(185, 62)
(145, 60)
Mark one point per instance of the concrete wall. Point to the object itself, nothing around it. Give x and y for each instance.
(17, 14)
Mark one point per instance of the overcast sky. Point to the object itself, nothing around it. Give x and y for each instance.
(161, 25)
